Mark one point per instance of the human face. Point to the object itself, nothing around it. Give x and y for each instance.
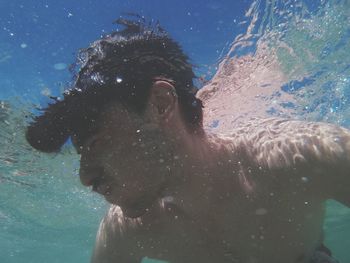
(126, 160)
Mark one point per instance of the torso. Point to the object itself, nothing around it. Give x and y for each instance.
(259, 218)
(272, 227)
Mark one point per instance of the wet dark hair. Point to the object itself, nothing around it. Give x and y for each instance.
(119, 67)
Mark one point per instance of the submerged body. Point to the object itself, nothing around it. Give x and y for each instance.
(179, 193)
(261, 199)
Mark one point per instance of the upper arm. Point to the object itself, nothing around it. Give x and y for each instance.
(332, 162)
(337, 162)
(319, 152)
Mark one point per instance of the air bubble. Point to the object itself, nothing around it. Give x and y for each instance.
(119, 80)
(261, 211)
(304, 179)
(60, 66)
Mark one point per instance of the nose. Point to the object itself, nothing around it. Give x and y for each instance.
(90, 175)
(91, 170)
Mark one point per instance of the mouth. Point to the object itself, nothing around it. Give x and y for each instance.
(101, 187)
(135, 210)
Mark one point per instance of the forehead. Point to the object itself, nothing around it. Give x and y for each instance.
(114, 118)
(116, 114)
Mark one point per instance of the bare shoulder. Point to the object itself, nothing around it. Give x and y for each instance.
(280, 143)
(291, 150)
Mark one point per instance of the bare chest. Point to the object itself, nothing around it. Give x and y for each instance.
(265, 228)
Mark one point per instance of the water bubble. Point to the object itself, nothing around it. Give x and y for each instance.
(60, 66)
(97, 78)
(24, 45)
(304, 179)
(261, 211)
(46, 91)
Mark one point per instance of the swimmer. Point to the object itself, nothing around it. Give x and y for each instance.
(180, 193)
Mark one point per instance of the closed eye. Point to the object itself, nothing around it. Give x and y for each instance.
(87, 142)
(92, 142)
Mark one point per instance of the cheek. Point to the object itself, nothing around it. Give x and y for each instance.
(140, 186)
(139, 165)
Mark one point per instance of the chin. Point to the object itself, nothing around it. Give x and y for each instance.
(133, 213)
(130, 209)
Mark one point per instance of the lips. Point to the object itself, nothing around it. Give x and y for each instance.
(101, 188)
(91, 175)
(102, 185)
(134, 210)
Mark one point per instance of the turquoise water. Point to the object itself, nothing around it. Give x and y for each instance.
(45, 213)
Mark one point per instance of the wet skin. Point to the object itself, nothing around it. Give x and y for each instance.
(254, 195)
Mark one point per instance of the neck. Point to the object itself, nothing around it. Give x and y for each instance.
(194, 148)
(194, 171)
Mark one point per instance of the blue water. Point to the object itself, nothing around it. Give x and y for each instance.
(45, 214)
(53, 31)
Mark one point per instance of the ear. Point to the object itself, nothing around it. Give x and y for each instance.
(163, 99)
